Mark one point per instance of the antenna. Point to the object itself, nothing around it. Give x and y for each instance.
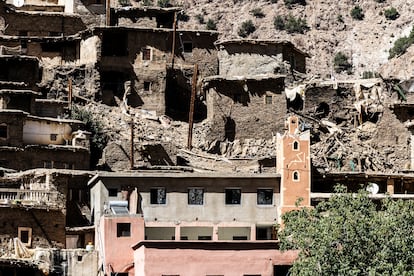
(373, 188)
(18, 3)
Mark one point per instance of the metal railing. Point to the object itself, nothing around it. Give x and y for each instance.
(28, 197)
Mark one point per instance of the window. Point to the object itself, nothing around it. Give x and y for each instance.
(188, 47)
(233, 196)
(204, 238)
(268, 99)
(295, 145)
(113, 192)
(115, 43)
(119, 273)
(147, 86)
(25, 235)
(146, 54)
(158, 196)
(3, 132)
(53, 137)
(123, 230)
(239, 238)
(55, 33)
(295, 176)
(23, 33)
(264, 196)
(195, 196)
(48, 164)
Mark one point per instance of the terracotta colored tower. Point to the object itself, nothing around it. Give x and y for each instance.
(294, 166)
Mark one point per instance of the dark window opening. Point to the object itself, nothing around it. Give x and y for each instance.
(230, 129)
(281, 270)
(147, 86)
(113, 192)
(146, 54)
(53, 137)
(123, 230)
(296, 176)
(204, 238)
(52, 47)
(119, 273)
(23, 33)
(55, 33)
(3, 132)
(195, 196)
(269, 99)
(23, 44)
(80, 258)
(158, 196)
(47, 164)
(233, 196)
(295, 145)
(188, 47)
(265, 196)
(24, 236)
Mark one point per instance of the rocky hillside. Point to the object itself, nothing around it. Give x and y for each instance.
(331, 29)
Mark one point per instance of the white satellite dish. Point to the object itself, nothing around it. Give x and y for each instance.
(18, 3)
(373, 188)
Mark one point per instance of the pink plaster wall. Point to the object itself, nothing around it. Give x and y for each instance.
(118, 251)
(190, 262)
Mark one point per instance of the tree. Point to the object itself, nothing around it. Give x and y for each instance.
(402, 44)
(341, 63)
(357, 13)
(391, 13)
(351, 235)
(246, 28)
(211, 25)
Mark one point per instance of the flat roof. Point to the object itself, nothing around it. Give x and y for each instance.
(245, 78)
(160, 30)
(19, 91)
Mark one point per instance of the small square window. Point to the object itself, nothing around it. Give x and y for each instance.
(23, 33)
(204, 238)
(48, 164)
(239, 238)
(147, 86)
(123, 230)
(264, 196)
(195, 196)
(188, 47)
(146, 54)
(295, 145)
(158, 196)
(113, 192)
(3, 131)
(269, 99)
(53, 137)
(233, 196)
(25, 235)
(296, 176)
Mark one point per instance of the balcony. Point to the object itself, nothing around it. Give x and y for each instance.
(29, 198)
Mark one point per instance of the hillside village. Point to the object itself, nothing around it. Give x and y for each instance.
(136, 140)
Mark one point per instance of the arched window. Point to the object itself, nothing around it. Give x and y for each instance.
(296, 176)
(295, 145)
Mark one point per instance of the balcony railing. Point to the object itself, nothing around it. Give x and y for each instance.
(28, 197)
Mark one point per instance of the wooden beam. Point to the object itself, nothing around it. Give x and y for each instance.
(192, 103)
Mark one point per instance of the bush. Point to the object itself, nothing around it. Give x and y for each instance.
(211, 25)
(357, 13)
(124, 3)
(289, 3)
(183, 16)
(401, 45)
(98, 136)
(147, 3)
(369, 75)
(341, 63)
(290, 24)
(391, 13)
(258, 13)
(273, 1)
(246, 28)
(200, 18)
(164, 3)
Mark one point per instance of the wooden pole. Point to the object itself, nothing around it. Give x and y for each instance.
(108, 12)
(192, 103)
(173, 40)
(132, 143)
(70, 93)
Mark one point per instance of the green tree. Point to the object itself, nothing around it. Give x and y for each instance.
(257, 12)
(211, 25)
(391, 13)
(401, 45)
(357, 13)
(164, 3)
(341, 63)
(350, 235)
(246, 28)
(98, 137)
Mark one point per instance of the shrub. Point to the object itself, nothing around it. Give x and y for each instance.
(183, 16)
(246, 28)
(124, 3)
(369, 75)
(273, 1)
(98, 136)
(258, 13)
(289, 3)
(290, 24)
(340, 18)
(164, 3)
(341, 63)
(357, 13)
(200, 18)
(401, 45)
(391, 13)
(211, 25)
(147, 3)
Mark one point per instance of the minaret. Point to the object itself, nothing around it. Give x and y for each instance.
(294, 166)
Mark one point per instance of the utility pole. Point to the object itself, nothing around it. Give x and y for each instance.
(192, 103)
(173, 40)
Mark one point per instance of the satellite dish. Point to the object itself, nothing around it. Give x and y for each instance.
(18, 3)
(373, 188)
